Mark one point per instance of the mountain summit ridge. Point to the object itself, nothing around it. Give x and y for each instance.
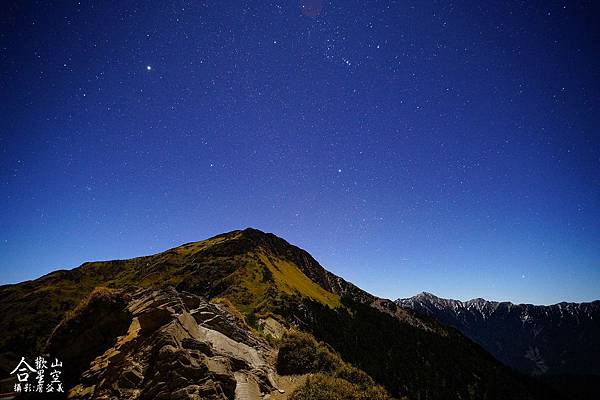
(262, 281)
(432, 296)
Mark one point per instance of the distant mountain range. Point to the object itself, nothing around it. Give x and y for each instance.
(559, 344)
(558, 339)
(246, 315)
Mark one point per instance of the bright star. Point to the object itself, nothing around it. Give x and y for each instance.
(148, 67)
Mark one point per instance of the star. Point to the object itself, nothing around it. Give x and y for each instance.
(148, 68)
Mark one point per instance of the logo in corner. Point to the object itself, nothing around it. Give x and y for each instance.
(33, 380)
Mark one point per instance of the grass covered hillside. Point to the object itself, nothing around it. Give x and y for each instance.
(259, 275)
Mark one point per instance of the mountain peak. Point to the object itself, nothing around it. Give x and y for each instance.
(226, 285)
(478, 302)
(254, 233)
(267, 240)
(426, 295)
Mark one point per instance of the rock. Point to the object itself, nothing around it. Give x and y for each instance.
(246, 387)
(272, 327)
(187, 348)
(131, 378)
(194, 344)
(153, 319)
(191, 301)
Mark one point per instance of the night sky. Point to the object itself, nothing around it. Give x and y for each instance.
(409, 146)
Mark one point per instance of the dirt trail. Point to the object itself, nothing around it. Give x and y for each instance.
(246, 387)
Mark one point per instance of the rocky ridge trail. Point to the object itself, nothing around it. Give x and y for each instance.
(180, 346)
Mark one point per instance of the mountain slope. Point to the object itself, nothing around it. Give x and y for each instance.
(559, 339)
(259, 277)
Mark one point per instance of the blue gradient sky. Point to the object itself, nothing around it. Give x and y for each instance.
(409, 146)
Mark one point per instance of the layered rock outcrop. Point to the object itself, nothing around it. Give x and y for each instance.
(179, 346)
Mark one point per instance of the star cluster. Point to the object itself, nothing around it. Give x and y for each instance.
(444, 146)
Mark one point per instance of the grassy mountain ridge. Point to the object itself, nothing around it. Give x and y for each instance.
(262, 275)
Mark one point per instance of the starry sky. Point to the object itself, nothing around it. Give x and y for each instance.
(449, 147)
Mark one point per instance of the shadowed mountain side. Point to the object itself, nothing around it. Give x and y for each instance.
(559, 343)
